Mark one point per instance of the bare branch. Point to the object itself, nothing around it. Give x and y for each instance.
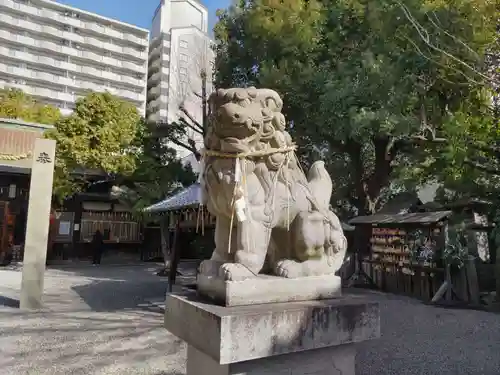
(424, 35)
(191, 118)
(451, 36)
(184, 145)
(489, 149)
(190, 126)
(440, 64)
(482, 167)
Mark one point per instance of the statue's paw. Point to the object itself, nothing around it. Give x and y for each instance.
(339, 242)
(319, 268)
(210, 267)
(235, 272)
(289, 268)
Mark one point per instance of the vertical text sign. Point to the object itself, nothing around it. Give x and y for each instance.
(37, 226)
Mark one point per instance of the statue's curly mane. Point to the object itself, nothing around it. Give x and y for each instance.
(249, 121)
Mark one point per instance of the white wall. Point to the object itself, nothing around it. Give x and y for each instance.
(184, 23)
(161, 19)
(185, 13)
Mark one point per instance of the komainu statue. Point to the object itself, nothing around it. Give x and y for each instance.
(270, 216)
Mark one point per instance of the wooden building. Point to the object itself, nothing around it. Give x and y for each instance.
(183, 212)
(73, 223)
(408, 253)
(96, 209)
(17, 139)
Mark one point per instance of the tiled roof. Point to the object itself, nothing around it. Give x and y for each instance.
(185, 198)
(406, 218)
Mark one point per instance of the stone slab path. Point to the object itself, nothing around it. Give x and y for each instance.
(108, 320)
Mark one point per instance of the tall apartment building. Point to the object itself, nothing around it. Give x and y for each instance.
(180, 50)
(57, 53)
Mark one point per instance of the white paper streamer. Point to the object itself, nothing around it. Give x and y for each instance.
(239, 207)
(237, 171)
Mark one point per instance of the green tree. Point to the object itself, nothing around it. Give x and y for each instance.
(99, 137)
(367, 83)
(158, 174)
(15, 104)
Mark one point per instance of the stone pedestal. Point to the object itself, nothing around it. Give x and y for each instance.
(294, 338)
(268, 289)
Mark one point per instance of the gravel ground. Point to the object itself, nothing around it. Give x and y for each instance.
(108, 320)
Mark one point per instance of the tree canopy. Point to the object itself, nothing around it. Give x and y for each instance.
(98, 137)
(106, 138)
(366, 83)
(15, 104)
(158, 174)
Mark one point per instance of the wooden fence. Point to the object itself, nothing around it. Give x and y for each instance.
(121, 226)
(417, 281)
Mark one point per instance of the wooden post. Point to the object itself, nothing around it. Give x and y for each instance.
(449, 290)
(472, 281)
(174, 256)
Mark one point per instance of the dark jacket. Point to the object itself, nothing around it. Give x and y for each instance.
(97, 240)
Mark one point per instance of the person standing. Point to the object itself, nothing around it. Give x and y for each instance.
(97, 247)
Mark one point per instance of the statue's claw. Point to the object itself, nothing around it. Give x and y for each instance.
(210, 267)
(235, 272)
(289, 268)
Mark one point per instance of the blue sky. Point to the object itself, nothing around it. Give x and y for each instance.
(136, 12)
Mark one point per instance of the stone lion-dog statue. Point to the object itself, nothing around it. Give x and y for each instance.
(270, 217)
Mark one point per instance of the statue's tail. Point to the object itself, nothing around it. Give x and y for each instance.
(320, 185)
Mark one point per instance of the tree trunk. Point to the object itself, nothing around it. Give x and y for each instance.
(369, 188)
(380, 178)
(361, 203)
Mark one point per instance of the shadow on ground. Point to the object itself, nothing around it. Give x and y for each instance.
(9, 302)
(114, 295)
(121, 271)
(96, 320)
(121, 290)
(104, 321)
(86, 342)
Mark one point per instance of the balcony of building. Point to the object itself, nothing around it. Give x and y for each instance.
(53, 47)
(154, 79)
(25, 73)
(157, 115)
(154, 66)
(39, 92)
(71, 18)
(155, 52)
(49, 62)
(135, 39)
(154, 92)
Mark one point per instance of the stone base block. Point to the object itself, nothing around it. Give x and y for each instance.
(268, 289)
(336, 360)
(253, 339)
